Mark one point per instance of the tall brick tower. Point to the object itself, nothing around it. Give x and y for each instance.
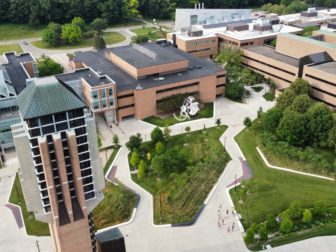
(61, 173)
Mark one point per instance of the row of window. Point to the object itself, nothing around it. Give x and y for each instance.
(177, 87)
(202, 42)
(95, 94)
(8, 109)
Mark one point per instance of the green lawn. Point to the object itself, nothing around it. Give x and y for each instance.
(151, 32)
(110, 38)
(206, 112)
(33, 227)
(116, 207)
(19, 31)
(110, 159)
(178, 196)
(272, 191)
(10, 48)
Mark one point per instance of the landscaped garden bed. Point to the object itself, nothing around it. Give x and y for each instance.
(33, 227)
(205, 112)
(178, 170)
(116, 207)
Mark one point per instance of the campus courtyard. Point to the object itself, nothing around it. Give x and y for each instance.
(205, 234)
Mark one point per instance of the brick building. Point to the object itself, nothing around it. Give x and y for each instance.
(129, 81)
(61, 174)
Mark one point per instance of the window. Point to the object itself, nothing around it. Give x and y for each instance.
(46, 120)
(104, 103)
(88, 188)
(89, 195)
(111, 102)
(86, 172)
(32, 123)
(95, 105)
(103, 93)
(94, 94)
(110, 92)
(60, 117)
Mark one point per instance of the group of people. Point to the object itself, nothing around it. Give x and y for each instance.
(221, 221)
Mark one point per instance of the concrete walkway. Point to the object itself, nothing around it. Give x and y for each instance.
(13, 238)
(205, 234)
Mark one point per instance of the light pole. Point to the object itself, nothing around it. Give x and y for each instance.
(37, 245)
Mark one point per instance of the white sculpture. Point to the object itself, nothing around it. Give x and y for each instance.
(189, 108)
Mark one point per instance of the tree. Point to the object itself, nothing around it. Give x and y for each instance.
(115, 140)
(159, 148)
(131, 8)
(157, 135)
(139, 39)
(48, 67)
(234, 91)
(247, 122)
(80, 23)
(52, 34)
(112, 10)
(218, 122)
(98, 41)
(286, 225)
(301, 103)
(135, 158)
(320, 121)
(332, 137)
(260, 112)
(294, 210)
(263, 232)
(286, 98)
(158, 164)
(134, 142)
(166, 132)
(176, 160)
(142, 168)
(71, 34)
(271, 119)
(249, 237)
(307, 216)
(300, 86)
(99, 25)
(295, 7)
(229, 56)
(4, 10)
(293, 128)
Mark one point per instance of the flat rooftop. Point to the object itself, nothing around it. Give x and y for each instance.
(146, 55)
(98, 62)
(90, 76)
(270, 52)
(323, 14)
(329, 67)
(15, 70)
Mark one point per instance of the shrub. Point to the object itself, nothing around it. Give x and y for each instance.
(172, 103)
(135, 159)
(319, 209)
(142, 167)
(234, 91)
(157, 136)
(71, 34)
(294, 210)
(307, 216)
(263, 232)
(52, 34)
(249, 237)
(159, 148)
(134, 142)
(115, 140)
(48, 67)
(271, 223)
(187, 129)
(247, 122)
(286, 225)
(271, 119)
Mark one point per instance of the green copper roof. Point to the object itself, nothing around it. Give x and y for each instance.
(47, 96)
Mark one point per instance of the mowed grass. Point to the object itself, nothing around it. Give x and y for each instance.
(10, 48)
(179, 196)
(206, 112)
(116, 207)
(110, 159)
(274, 190)
(33, 227)
(152, 32)
(19, 31)
(110, 38)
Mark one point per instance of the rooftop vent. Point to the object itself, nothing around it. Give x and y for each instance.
(311, 12)
(237, 27)
(145, 51)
